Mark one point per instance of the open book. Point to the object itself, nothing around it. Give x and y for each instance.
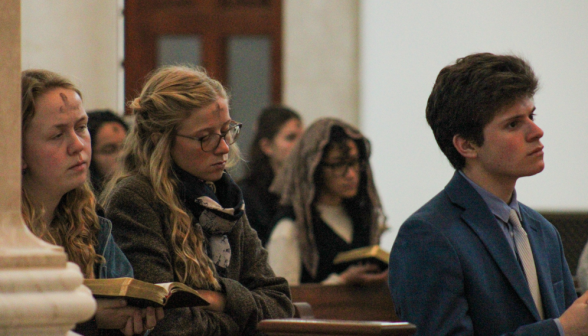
(144, 294)
(369, 254)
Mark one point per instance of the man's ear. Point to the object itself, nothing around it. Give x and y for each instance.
(23, 164)
(465, 147)
(266, 147)
(155, 137)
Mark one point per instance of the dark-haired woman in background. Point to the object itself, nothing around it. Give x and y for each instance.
(108, 132)
(331, 206)
(278, 130)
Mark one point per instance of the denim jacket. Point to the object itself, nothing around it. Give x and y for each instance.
(115, 263)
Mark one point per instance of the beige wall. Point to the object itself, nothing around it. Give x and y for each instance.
(83, 40)
(404, 45)
(320, 58)
(79, 39)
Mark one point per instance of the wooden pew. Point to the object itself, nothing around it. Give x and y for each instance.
(303, 310)
(342, 302)
(313, 327)
(341, 311)
(573, 229)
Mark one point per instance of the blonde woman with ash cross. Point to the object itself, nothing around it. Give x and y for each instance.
(179, 216)
(58, 203)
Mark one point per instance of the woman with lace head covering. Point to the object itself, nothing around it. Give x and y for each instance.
(179, 216)
(330, 205)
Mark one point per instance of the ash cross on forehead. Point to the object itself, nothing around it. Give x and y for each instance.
(68, 106)
(217, 111)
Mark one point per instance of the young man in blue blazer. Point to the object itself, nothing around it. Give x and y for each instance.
(458, 265)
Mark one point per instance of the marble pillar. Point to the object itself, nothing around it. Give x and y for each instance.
(321, 59)
(40, 292)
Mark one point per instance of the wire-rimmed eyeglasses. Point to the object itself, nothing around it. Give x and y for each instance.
(210, 142)
(342, 168)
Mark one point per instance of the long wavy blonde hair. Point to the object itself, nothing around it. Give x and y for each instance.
(169, 96)
(75, 224)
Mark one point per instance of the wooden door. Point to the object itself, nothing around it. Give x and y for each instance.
(237, 41)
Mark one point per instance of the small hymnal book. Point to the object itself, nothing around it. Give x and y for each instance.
(144, 294)
(363, 255)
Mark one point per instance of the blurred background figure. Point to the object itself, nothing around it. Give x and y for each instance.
(331, 206)
(278, 129)
(108, 131)
(582, 271)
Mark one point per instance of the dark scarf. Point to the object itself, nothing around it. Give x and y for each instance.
(216, 206)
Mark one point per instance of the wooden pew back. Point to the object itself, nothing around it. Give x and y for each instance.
(573, 229)
(300, 327)
(342, 302)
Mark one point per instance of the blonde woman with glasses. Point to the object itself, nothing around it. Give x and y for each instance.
(179, 216)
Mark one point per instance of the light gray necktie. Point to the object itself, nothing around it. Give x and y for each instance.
(526, 256)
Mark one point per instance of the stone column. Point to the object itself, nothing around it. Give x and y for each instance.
(321, 58)
(40, 292)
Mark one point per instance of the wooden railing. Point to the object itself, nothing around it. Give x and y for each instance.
(340, 310)
(301, 327)
(343, 302)
(573, 229)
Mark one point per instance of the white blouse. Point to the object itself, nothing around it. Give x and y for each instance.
(284, 250)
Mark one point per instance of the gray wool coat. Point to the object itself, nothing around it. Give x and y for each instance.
(142, 230)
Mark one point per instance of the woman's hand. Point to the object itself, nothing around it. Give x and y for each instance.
(142, 320)
(363, 275)
(217, 300)
(115, 314)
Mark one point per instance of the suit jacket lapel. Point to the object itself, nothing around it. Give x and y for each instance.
(480, 219)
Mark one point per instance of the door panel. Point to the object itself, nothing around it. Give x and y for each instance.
(249, 59)
(164, 31)
(179, 49)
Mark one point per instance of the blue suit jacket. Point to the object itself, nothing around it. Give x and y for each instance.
(452, 271)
